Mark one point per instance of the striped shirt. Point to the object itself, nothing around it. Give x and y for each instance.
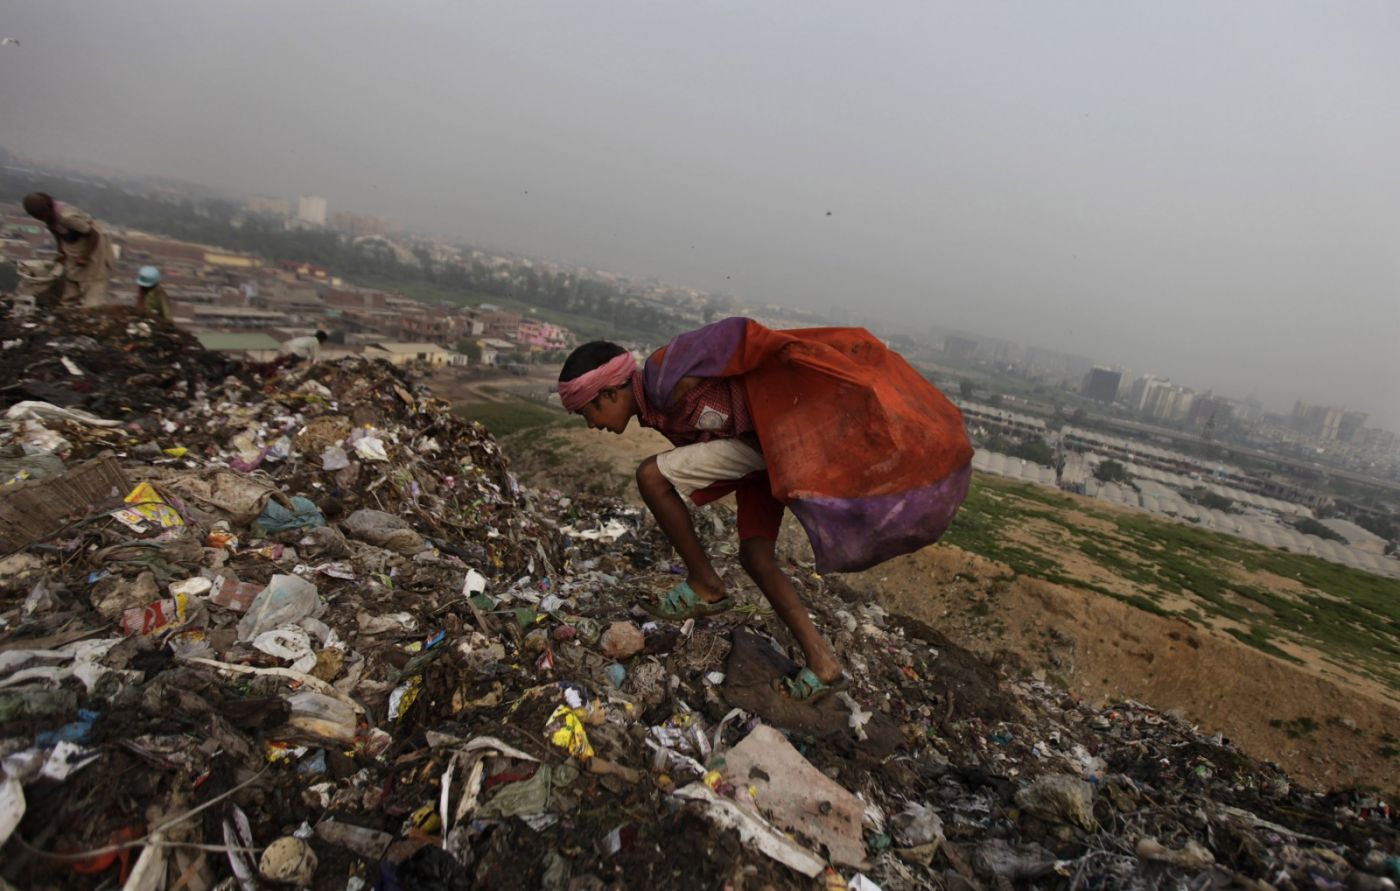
(715, 408)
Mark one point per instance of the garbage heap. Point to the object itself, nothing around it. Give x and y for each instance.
(297, 626)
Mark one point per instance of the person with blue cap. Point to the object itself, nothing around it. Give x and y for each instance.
(151, 298)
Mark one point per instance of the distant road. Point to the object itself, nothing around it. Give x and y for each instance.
(1136, 427)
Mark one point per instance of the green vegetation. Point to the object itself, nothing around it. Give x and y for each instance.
(1031, 448)
(506, 418)
(1309, 526)
(471, 349)
(1352, 616)
(1112, 472)
(1208, 499)
(980, 525)
(1385, 527)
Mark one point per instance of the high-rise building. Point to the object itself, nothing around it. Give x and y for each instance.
(311, 209)
(1165, 401)
(1328, 422)
(1215, 413)
(1142, 390)
(1101, 383)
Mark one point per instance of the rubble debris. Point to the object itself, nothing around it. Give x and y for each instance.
(778, 782)
(622, 640)
(288, 860)
(338, 646)
(1192, 855)
(1059, 798)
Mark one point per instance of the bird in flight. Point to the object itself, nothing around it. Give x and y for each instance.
(8, 40)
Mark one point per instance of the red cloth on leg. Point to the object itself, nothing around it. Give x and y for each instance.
(760, 514)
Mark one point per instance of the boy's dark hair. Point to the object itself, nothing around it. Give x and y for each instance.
(321, 336)
(588, 357)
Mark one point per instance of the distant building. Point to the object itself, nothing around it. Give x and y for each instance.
(1142, 388)
(418, 323)
(311, 209)
(359, 225)
(234, 261)
(1166, 402)
(499, 323)
(493, 349)
(272, 207)
(1211, 412)
(309, 271)
(1328, 422)
(960, 349)
(253, 346)
(237, 317)
(1101, 383)
(403, 353)
(541, 336)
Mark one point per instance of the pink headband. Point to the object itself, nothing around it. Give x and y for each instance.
(580, 391)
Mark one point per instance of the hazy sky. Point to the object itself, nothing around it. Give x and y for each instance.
(1204, 190)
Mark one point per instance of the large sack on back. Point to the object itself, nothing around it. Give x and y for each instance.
(871, 458)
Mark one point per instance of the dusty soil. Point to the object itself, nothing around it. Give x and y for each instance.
(1324, 733)
(1325, 726)
(457, 385)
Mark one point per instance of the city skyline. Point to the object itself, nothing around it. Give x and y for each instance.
(290, 207)
(1057, 180)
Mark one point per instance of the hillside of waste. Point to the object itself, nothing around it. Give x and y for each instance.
(272, 626)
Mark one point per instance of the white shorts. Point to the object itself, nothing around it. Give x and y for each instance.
(693, 467)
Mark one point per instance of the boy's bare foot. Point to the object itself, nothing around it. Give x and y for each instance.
(827, 669)
(710, 590)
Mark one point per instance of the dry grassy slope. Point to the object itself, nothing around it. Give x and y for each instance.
(1325, 727)
(1325, 734)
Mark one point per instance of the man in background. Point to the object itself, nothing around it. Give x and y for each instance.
(84, 248)
(307, 348)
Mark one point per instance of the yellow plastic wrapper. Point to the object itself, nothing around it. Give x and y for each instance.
(403, 696)
(566, 731)
(177, 451)
(426, 819)
(148, 508)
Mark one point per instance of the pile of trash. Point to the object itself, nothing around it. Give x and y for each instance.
(298, 626)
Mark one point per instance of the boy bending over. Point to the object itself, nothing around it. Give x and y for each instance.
(871, 458)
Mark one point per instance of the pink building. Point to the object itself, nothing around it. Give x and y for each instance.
(542, 336)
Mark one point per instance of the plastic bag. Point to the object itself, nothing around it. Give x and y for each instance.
(286, 600)
(290, 643)
(322, 717)
(334, 458)
(303, 514)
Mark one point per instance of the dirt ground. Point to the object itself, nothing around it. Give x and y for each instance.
(1323, 733)
(457, 385)
(1324, 726)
